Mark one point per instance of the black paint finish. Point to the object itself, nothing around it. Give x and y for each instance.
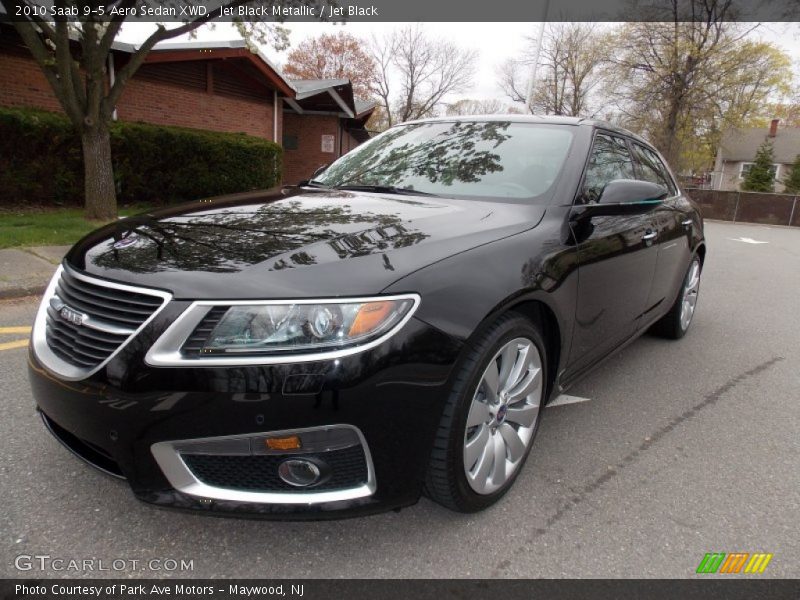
(593, 282)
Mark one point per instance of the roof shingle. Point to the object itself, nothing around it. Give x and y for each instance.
(742, 144)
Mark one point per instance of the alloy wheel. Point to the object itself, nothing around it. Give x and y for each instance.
(502, 415)
(690, 291)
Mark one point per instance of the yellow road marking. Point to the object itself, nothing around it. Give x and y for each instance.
(14, 344)
(14, 330)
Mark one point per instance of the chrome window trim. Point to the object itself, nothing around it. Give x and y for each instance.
(180, 477)
(166, 352)
(49, 359)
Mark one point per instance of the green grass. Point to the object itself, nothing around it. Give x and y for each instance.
(58, 227)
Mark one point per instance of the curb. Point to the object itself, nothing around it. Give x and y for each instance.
(23, 291)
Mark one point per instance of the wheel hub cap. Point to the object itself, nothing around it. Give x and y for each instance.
(502, 415)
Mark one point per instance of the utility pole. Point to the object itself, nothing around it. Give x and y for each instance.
(535, 66)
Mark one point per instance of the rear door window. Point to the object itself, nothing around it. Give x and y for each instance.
(610, 160)
(651, 168)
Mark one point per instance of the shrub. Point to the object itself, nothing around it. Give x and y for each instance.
(41, 161)
(792, 181)
(761, 178)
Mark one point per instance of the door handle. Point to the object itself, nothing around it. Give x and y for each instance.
(687, 223)
(650, 235)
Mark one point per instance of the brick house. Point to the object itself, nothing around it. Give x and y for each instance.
(219, 86)
(324, 122)
(738, 149)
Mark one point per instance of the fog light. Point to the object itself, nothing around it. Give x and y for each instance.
(299, 472)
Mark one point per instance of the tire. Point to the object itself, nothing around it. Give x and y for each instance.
(675, 324)
(510, 407)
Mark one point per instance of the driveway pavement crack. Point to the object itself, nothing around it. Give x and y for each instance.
(580, 495)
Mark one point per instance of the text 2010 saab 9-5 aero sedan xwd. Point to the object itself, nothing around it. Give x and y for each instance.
(392, 327)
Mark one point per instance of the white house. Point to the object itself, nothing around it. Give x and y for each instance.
(738, 150)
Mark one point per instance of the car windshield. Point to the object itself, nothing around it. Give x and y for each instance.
(480, 160)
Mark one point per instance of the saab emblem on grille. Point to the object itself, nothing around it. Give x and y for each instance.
(72, 316)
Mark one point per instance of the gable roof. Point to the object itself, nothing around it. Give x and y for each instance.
(362, 107)
(315, 86)
(740, 145)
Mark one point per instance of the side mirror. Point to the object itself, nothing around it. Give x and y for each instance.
(632, 191)
(626, 197)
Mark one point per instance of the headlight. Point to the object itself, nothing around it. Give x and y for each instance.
(244, 332)
(295, 327)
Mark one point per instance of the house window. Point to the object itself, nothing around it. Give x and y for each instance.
(289, 142)
(745, 169)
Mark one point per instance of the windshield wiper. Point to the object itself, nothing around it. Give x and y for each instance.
(313, 183)
(383, 189)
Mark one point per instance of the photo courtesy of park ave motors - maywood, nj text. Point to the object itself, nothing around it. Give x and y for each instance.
(501, 296)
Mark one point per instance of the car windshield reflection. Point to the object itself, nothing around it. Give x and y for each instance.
(488, 160)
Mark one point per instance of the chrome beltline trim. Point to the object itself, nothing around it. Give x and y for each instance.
(166, 351)
(183, 480)
(53, 363)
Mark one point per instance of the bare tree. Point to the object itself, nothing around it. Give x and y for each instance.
(662, 67)
(426, 70)
(684, 79)
(383, 53)
(73, 53)
(570, 70)
(468, 107)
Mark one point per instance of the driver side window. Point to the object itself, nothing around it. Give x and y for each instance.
(610, 160)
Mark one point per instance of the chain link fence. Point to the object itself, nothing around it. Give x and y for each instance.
(748, 207)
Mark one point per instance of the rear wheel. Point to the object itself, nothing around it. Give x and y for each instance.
(675, 323)
(491, 417)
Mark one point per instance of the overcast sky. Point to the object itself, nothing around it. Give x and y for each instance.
(494, 42)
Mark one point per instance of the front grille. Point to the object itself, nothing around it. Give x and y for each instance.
(259, 473)
(109, 315)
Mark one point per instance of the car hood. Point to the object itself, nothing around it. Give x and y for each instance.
(292, 243)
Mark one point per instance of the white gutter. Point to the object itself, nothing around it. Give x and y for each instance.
(111, 79)
(275, 116)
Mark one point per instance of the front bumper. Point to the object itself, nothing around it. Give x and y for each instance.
(391, 395)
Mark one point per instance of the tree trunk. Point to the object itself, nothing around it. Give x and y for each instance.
(101, 194)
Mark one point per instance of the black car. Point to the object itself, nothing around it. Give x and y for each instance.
(390, 328)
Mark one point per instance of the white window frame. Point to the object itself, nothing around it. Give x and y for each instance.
(742, 174)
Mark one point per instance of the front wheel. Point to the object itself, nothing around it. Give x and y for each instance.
(491, 417)
(675, 323)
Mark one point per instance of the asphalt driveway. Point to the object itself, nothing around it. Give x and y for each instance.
(682, 448)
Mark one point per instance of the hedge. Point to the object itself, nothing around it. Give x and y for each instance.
(41, 162)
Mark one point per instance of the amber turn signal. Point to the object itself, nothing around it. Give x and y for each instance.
(370, 316)
(291, 442)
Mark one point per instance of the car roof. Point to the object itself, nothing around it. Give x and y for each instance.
(542, 119)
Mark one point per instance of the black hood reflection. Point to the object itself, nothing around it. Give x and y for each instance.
(300, 243)
(281, 234)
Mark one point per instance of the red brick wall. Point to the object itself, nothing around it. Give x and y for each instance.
(308, 129)
(22, 83)
(165, 104)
